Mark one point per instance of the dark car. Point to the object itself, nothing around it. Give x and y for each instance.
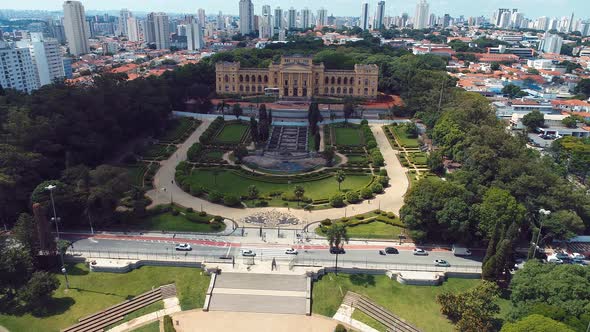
(391, 250)
(335, 250)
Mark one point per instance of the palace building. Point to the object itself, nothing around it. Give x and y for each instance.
(297, 77)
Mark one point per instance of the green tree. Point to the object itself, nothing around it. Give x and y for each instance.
(340, 177)
(254, 130)
(536, 323)
(38, 292)
(329, 153)
(533, 120)
(570, 122)
(25, 233)
(513, 91)
(240, 152)
(561, 226)
(498, 209)
(337, 200)
(435, 162)
(237, 110)
(253, 192)
(348, 110)
(299, 191)
(337, 236)
(495, 66)
(313, 117)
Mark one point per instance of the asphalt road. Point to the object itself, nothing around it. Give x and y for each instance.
(356, 256)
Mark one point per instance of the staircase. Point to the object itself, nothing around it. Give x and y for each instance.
(98, 321)
(377, 312)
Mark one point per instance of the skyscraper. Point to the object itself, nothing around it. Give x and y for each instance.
(194, 36)
(498, 15)
(157, 30)
(292, 18)
(124, 15)
(202, 17)
(17, 70)
(504, 20)
(278, 19)
(46, 56)
(246, 17)
(265, 29)
(75, 27)
(421, 18)
(379, 15)
(322, 17)
(133, 30)
(305, 18)
(364, 24)
(551, 43)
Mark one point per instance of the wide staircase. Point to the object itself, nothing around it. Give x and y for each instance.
(377, 312)
(98, 321)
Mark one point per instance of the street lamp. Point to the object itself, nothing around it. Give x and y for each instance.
(63, 270)
(543, 212)
(51, 187)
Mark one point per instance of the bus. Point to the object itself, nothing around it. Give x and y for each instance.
(271, 91)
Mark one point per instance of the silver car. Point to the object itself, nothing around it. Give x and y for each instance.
(420, 252)
(248, 253)
(183, 247)
(441, 262)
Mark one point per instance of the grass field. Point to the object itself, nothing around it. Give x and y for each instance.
(348, 136)
(356, 158)
(418, 158)
(175, 129)
(179, 223)
(94, 291)
(214, 154)
(415, 304)
(378, 229)
(364, 318)
(151, 327)
(231, 133)
(403, 139)
(157, 150)
(230, 182)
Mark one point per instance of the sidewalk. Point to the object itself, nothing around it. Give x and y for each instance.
(171, 306)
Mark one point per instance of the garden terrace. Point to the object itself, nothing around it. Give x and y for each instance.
(346, 134)
(288, 139)
(177, 130)
(157, 152)
(402, 137)
(232, 132)
(372, 225)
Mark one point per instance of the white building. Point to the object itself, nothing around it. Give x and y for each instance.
(246, 17)
(194, 36)
(202, 17)
(379, 15)
(364, 16)
(133, 30)
(157, 30)
(551, 44)
(122, 29)
(292, 18)
(305, 18)
(46, 56)
(17, 70)
(278, 19)
(421, 18)
(76, 27)
(265, 28)
(322, 19)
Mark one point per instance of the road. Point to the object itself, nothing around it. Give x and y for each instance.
(357, 255)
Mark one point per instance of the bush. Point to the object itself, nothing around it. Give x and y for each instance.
(371, 144)
(218, 218)
(344, 219)
(337, 200)
(190, 210)
(175, 212)
(340, 328)
(390, 215)
(231, 200)
(352, 197)
(364, 122)
(360, 217)
(194, 152)
(261, 204)
(384, 181)
(196, 190)
(366, 193)
(383, 172)
(169, 325)
(377, 188)
(379, 212)
(215, 196)
(326, 222)
(377, 157)
(202, 214)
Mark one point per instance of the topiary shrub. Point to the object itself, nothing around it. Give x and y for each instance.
(215, 196)
(190, 210)
(366, 193)
(202, 214)
(352, 197)
(383, 172)
(231, 200)
(371, 144)
(344, 219)
(326, 222)
(196, 190)
(377, 188)
(391, 215)
(218, 218)
(337, 200)
(360, 217)
(384, 181)
(364, 122)
(169, 325)
(175, 212)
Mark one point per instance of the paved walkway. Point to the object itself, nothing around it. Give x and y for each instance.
(171, 306)
(220, 321)
(166, 189)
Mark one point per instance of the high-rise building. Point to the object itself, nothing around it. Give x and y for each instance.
(516, 20)
(364, 24)
(133, 29)
(202, 17)
(570, 27)
(305, 18)
(542, 23)
(17, 70)
(220, 21)
(46, 56)
(551, 43)
(504, 20)
(76, 27)
(157, 30)
(379, 15)
(246, 17)
(265, 29)
(446, 21)
(181, 30)
(292, 18)
(278, 19)
(322, 19)
(498, 15)
(194, 36)
(585, 28)
(122, 29)
(422, 17)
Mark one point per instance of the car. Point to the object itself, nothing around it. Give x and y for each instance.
(248, 253)
(441, 262)
(554, 259)
(291, 251)
(562, 255)
(336, 250)
(391, 250)
(183, 247)
(576, 255)
(381, 252)
(420, 252)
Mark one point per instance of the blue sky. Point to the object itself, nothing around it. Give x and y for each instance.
(531, 8)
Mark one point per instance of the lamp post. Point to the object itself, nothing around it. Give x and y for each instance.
(63, 270)
(543, 212)
(51, 187)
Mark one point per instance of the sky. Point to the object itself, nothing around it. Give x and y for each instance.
(531, 8)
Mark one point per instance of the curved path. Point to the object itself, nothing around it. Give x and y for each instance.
(167, 190)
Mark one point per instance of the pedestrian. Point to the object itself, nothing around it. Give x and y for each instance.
(172, 181)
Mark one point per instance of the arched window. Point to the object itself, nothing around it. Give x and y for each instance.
(265, 78)
(338, 90)
(366, 91)
(333, 80)
(259, 79)
(332, 90)
(241, 78)
(241, 88)
(247, 88)
(351, 80)
(253, 78)
(259, 88)
(350, 91)
(339, 81)
(327, 80)
(366, 81)
(325, 90)
(345, 80)
(247, 78)
(226, 78)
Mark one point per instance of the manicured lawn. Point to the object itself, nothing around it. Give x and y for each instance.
(214, 154)
(364, 318)
(375, 230)
(356, 158)
(403, 139)
(347, 136)
(158, 150)
(418, 158)
(94, 291)
(138, 313)
(136, 173)
(230, 182)
(151, 327)
(232, 133)
(178, 223)
(176, 128)
(415, 304)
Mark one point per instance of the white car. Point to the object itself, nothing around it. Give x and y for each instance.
(554, 259)
(576, 255)
(441, 262)
(248, 253)
(420, 252)
(291, 251)
(183, 247)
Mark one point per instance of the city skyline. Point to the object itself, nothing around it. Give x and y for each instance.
(531, 8)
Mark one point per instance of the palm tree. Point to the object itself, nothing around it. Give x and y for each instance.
(336, 234)
(299, 191)
(253, 192)
(340, 177)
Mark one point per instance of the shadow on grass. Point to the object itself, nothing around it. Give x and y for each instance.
(364, 280)
(75, 270)
(56, 306)
(82, 290)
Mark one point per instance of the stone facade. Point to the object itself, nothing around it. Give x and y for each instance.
(299, 77)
